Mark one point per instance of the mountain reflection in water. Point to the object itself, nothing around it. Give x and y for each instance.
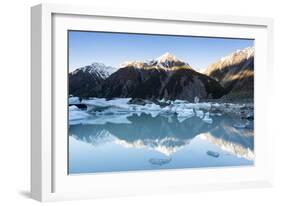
(160, 142)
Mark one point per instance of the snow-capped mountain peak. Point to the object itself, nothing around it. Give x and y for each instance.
(232, 59)
(241, 53)
(135, 64)
(167, 57)
(165, 61)
(168, 60)
(97, 69)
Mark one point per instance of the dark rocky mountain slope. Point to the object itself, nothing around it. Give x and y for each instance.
(165, 77)
(87, 81)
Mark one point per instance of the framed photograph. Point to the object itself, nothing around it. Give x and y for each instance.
(137, 102)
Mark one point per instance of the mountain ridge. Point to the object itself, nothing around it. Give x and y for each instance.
(235, 73)
(164, 77)
(166, 61)
(167, 77)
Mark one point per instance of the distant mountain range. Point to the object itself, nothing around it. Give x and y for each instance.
(167, 77)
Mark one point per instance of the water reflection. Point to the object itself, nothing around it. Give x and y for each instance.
(166, 135)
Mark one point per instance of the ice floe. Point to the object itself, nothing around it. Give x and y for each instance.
(102, 111)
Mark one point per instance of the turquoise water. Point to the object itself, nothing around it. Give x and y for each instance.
(145, 142)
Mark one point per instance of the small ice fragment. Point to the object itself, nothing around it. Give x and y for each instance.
(154, 113)
(196, 100)
(73, 108)
(213, 154)
(207, 118)
(178, 101)
(185, 114)
(76, 114)
(156, 161)
(73, 100)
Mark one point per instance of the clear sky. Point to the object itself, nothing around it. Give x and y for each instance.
(113, 49)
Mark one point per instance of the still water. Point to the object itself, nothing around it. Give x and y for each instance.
(148, 142)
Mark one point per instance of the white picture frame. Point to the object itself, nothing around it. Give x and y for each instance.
(49, 179)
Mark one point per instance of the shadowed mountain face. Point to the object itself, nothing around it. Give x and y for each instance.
(235, 73)
(165, 77)
(87, 81)
(180, 83)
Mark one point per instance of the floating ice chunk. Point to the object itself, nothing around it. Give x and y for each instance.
(73, 108)
(154, 113)
(199, 113)
(178, 101)
(215, 114)
(77, 114)
(213, 154)
(185, 114)
(123, 108)
(202, 105)
(152, 107)
(73, 100)
(207, 118)
(166, 109)
(160, 162)
(102, 102)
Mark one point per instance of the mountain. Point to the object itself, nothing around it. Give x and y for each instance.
(86, 81)
(167, 62)
(235, 73)
(164, 77)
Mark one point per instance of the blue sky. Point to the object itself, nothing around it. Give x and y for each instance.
(113, 49)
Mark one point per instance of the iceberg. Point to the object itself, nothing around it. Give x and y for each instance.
(73, 100)
(75, 115)
(213, 154)
(120, 108)
(199, 113)
(185, 114)
(207, 118)
(160, 162)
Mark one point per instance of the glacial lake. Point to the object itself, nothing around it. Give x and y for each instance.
(114, 139)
